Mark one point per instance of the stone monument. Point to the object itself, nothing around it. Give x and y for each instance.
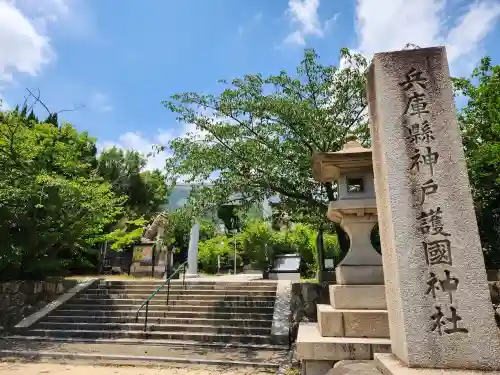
(440, 313)
(354, 325)
(194, 235)
(148, 256)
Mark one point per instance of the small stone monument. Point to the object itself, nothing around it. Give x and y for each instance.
(354, 325)
(440, 312)
(286, 267)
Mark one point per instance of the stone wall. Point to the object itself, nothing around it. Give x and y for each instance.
(495, 298)
(305, 297)
(19, 299)
(495, 292)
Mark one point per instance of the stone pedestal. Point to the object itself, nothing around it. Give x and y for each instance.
(439, 308)
(354, 325)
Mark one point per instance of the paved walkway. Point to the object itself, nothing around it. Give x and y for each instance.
(237, 277)
(7, 368)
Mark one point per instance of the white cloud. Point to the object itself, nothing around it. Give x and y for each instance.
(330, 22)
(423, 23)
(99, 102)
(473, 26)
(24, 33)
(254, 21)
(295, 38)
(305, 18)
(145, 145)
(24, 49)
(43, 12)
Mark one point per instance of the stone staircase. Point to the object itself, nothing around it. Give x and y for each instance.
(234, 315)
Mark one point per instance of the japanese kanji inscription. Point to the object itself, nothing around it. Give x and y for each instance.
(420, 140)
(439, 308)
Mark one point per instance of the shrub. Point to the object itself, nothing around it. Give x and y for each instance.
(258, 245)
(210, 250)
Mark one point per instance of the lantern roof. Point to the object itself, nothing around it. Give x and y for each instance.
(327, 166)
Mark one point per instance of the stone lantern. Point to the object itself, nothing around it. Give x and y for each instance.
(354, 325)
(355, 209)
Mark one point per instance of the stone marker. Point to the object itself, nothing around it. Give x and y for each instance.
(194, 235)
(440, 312)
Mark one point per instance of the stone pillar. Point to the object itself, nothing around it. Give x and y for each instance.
(440, 312)
(192, 270)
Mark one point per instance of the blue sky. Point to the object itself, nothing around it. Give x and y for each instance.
(121, 58)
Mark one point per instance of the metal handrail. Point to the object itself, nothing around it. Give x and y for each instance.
(167, 282)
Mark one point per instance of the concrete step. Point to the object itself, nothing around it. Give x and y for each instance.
(174, 307)
(206, 284)
(163, 297)
(181, 314)
(161, 320)
(352, 322)
(152, 288)
(195, 293)
(203, 345)
(115, 353)
(172, 302)
(154, 327)
(156, 335)
(312, 346)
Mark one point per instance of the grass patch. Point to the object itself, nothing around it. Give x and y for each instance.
(292, 371)
(312, 280)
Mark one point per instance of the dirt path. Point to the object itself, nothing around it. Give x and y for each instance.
(16, 368)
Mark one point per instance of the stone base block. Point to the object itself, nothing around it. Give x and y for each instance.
(330, 321)
(312, 367)
(354, 368)
(352, 323)
(388, 364)
(360, 275)
(370, 297)
(365, 323)
(312, 346)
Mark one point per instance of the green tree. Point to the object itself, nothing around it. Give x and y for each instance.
(258, 245)
(146, 191)
(127, 233)
(261, 133)
(53, 207)
(178, 228)
(480, 125)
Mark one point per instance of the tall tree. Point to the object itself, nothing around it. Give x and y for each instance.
(146, 190)
(260, 134)
(53, 207)
(480, 125)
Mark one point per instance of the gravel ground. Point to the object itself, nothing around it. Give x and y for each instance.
(17, 368)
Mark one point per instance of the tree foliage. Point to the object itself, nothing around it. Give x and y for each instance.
(258, 244)
(53, 207)
(127, 233)
(480, 125)
(261, 132)
(146, 191)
